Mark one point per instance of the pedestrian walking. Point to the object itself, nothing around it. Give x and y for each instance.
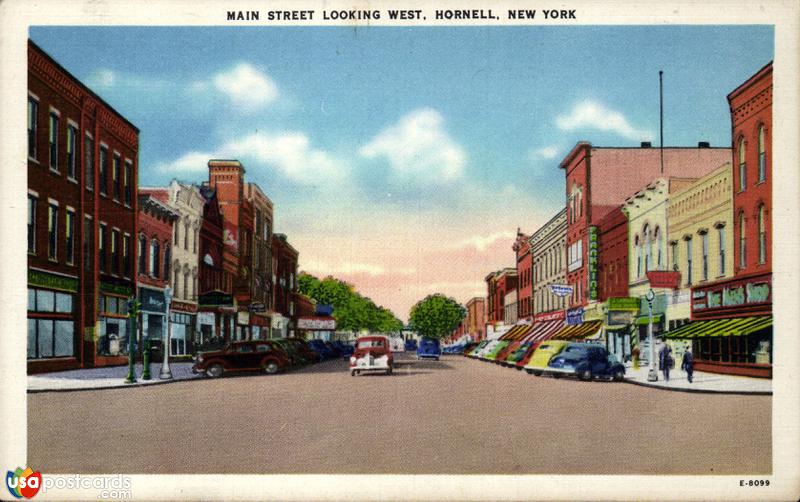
(665, 360)
(688, 363)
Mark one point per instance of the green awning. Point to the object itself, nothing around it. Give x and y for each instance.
(741, 326)
(617, 327)
(646, 319)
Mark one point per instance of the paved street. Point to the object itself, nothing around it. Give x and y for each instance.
(456, 415)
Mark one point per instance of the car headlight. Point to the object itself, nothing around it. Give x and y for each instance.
(352, 359)
(199, 359)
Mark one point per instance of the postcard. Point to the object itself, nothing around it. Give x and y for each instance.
(400, 250)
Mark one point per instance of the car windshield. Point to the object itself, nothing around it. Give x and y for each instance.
(574, 349)
(366, 344)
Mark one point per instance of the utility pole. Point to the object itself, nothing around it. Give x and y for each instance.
(661, 116)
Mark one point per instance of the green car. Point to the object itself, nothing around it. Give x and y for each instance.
(492, 354)
(517, 355)
(295, 357)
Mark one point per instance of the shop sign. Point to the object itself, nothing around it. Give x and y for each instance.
(115, 289)
(575, 316)
(561, 289)
(617, 317)
(664, 279)
(243, 318)
(182, 307)
(317, 323)
(257, 307)
(51, 281)
(550, 316)
(152, 300)
(735, 294)
(215, 298)
(205, 318)
(592, 254)
(623, 303)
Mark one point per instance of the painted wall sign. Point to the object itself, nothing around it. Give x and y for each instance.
(560, 289)
(736, 294)
(52, 281)
(623, 303)
(550, 316)
(592, 262)
(664, 279)
(318, 323)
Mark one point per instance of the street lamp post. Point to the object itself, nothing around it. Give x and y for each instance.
(166, 374)
(652, 375)
(133, 312)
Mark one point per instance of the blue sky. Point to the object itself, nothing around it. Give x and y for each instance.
(422, 137)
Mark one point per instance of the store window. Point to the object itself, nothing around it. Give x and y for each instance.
(33, 124)
(742, 241)
(53, 140)
(180, 342)
(32, 200)
(116, 178)
(72, 154)
(103, 175)
(742, 166)
(762, 155)
(101, 248)
(51, 326)
(69, 237)
(762, 235)
(113, 336)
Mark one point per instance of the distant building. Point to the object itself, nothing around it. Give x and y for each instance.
(475, 321)
(285, 257)
(498, 284)
(522, 249)
(548, 249)
(261, 287)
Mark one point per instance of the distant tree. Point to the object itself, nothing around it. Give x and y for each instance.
(436, 316)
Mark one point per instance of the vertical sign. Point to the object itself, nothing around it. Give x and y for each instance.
(592, 253)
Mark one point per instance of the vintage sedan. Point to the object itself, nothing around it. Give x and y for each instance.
(523, 354)
(491, 355)
(372, 353)
(429, 348)
(541, 357)
(476, 349)
(586, 361)
(260, 355)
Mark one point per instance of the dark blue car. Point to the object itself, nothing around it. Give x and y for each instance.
(586, 361)
(429, 347)
(411, 345)
(346, 350)
(321, 348)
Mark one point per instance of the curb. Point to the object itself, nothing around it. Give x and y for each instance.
(126, 386)
(700, 391)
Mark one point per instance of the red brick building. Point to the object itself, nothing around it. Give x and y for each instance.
(261, 287)
(154, 253)
(82, 206)
(476, 318)
(215, 299)
(285, 264)
(498, 284)
(613, 255)
(522, 248)
(597, 181)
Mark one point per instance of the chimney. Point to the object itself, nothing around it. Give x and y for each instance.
(646, 144)
(703, 144)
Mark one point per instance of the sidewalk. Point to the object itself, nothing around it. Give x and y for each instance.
(102, 378)
(701, 382)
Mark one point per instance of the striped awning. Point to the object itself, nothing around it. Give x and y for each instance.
(516, 333)
(739, 326)
(544, 330)
(578, 331)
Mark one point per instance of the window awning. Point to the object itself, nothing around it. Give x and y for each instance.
(579, 331)
(740, 326)
(646, 319)
(515, 332)
(544, 330)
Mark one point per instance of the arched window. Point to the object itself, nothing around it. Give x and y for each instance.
(659, 249)
(186, 236)
(142, 254)
(742, 166)
(762, 155)
(186, 282)
(648, 244)
(154, 258)
(742, 240)
(638, 245)
(177, 232)
(175, 280)
(762, 235)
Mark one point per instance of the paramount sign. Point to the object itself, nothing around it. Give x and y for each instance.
(317, 323)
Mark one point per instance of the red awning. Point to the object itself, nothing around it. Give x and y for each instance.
(544, 330)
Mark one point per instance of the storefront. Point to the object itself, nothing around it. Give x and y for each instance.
(546, 325)
(112, 322)
(321, 327)
(52, 318)
(182, 319)
(153, 320)
(242, 325)
(578, 327)
(215, 319)
(731, 328)
(619, 325)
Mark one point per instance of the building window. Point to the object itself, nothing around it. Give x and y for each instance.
(167, 258)
(88, 243)
(721, 236)
(762, 235)
(154, 258)
(52, 231)
(689, 261)
(50, 324)
(126, 255)
(742, 240)
(116, 179)
(659, 248)
(638, 245)
(648, 243)
(115, 252)
(89, 162)
(127, 182)
(142, 254)
(186, 236)
(762, 155)
(103, 177)
(705, 256)
(194, 241)
(742, 166)
(177, 234)
(53, 140)
(175, 281)
(101, 247)
(33, 123)
(32, 223)
(72, 156)
(69, 237)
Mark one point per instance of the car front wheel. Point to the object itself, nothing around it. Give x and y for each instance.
(585, 375)
(619, 375)
(214, 371)
(352, 373)
(271, 367)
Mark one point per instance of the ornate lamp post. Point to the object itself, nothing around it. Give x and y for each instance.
(133, 313)
(166, 374)
(652, 375)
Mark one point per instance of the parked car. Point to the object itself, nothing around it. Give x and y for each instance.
(259, 355)
(474, 351)
(469, 348)
(319, 346)
(491, 355)
(519, 358)
(372, 353)
(411, 345)
(481, 353)
(429, 348)
(295, 356)
(586, 361)
(335, 352)
(546, 350)
(344, 348)
(501, 356)
(305, 350)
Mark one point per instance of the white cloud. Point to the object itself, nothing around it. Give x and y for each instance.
(483, 242)
(354, 268)
(418, 145)
(590, 114)
(289, 153)
(102, 78)
(245, 85)
(548, 152)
